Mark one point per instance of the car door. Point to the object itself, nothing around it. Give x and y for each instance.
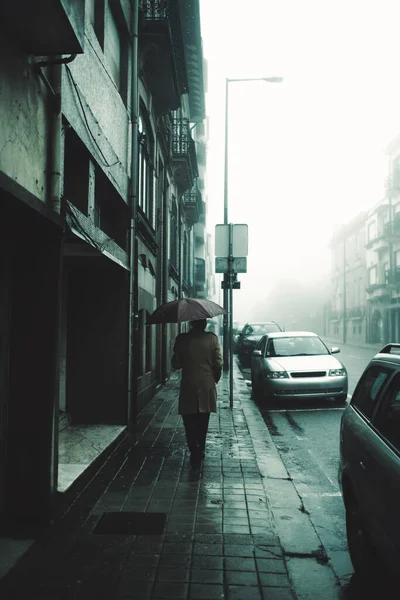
(256, 361)
(384, 467)
(359, 441)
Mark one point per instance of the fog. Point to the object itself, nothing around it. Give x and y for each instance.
(304, 154)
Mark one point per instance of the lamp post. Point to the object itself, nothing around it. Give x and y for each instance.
(226, 345)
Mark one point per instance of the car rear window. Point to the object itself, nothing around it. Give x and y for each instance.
(368, 388)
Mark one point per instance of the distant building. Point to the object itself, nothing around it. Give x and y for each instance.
(346, 311)
(383, 257)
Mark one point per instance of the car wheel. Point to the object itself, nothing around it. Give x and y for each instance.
(340, 400)
(362, 553)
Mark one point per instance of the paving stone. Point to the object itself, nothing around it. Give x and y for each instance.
(175, 560)
(238, 550)
(176, 548)
(239, 564)
(140, 589)
(270, 593)
(173, 574)
(241, 578)
(271, 565)
(206, 576)
(207, 549)
(207, 562)
(170, 590)
(199, 591)
(236, 592)
(274, 579)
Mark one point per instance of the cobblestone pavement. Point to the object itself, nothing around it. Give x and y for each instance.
(219, 539)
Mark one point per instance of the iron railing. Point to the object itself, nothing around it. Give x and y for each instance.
(168, 10)
(183, 144)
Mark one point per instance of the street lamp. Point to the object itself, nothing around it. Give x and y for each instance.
(228, 363)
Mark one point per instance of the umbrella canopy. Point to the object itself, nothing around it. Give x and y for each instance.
(185, 309)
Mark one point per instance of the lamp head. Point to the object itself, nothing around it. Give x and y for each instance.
(273, 79)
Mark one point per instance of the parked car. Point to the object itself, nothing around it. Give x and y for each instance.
(369, 469)
(250, 336)
(297, 364)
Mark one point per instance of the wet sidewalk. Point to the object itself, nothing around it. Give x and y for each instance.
(213, 536)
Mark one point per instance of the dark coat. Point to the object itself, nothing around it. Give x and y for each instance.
(198, 354)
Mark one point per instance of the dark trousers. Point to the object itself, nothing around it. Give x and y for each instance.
(196, 427)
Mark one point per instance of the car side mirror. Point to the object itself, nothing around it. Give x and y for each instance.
(335, 350)
(256, 353)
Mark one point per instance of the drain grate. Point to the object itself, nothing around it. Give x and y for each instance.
(131, 523)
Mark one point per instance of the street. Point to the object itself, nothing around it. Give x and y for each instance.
(307, 439)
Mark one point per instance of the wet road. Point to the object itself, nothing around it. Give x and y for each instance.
(307, 438)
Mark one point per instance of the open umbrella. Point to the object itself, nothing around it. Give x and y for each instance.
(185, 309)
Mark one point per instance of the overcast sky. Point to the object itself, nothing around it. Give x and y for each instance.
(307, 153)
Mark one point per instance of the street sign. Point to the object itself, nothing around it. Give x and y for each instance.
(240, 241)
(239, 264)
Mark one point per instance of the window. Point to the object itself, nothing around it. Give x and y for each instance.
(173, 238)
(146, 170)
(388, 418)
(371, 231)
(76, 172)
(372, 276)
(397, 258)
(368, 389)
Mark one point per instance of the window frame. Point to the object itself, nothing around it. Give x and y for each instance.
(146, 171)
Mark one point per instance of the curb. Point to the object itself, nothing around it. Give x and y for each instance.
(301, 545)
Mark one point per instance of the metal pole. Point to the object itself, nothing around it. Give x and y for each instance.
(133, 290)
(344, 286)
(226, 295)
(230, 261)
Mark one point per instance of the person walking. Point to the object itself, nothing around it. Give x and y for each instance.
(198, 354)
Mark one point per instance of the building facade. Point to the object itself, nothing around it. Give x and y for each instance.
(346, 312)
(102, 218)
(383, 257)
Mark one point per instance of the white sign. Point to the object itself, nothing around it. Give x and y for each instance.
(239, 264)
(240, 240)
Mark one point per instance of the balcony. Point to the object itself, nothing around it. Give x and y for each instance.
(380, 243)
(183, 155)
(356, 312)
(46, 27)
(192, 205)
(377, 290)
(392, 229)
(162, 55)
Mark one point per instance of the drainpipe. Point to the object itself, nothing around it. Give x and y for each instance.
(55, 122)
(133, 289)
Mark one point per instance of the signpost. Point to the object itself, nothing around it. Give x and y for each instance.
(231, 249)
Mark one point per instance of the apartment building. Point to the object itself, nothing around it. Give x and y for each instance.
(383, 257)
(346, 313)
(102, 218)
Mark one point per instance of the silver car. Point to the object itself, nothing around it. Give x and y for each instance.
(297, 364)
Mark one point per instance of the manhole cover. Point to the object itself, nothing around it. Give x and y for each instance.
(131, 523)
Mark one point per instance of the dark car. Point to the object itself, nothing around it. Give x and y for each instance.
(369, 470)
(250, 336)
